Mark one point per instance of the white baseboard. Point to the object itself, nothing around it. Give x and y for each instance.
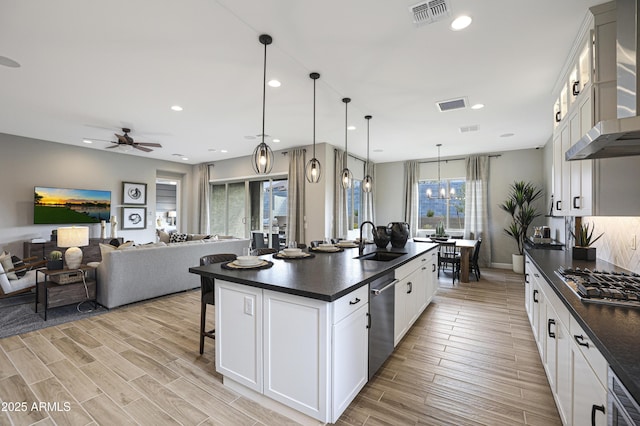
(501, 265)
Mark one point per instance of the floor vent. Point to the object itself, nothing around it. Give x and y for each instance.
(467, 129)
(427, 12)
(452, 104)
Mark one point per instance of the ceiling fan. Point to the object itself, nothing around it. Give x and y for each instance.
(126, 142)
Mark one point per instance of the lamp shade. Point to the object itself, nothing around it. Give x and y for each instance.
(171, 213)
(73, 236)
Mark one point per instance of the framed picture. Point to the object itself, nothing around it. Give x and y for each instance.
(134, 193)
(134, 218)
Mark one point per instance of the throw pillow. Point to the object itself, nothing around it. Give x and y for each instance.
(7, 264)
(178, 238)
(164, 236)
(193, 237)
(107, 248)
(18, 263)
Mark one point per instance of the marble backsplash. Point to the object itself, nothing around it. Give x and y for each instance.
(615, 246)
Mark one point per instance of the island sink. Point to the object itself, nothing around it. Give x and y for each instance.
(381, 256)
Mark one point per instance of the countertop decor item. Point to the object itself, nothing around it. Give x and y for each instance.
(367, 183)
(54, 262)
(382, 236)
(262, 161)
(399, 234)
(346, 176)
(583, 238)
(520, 206)
(313, 169)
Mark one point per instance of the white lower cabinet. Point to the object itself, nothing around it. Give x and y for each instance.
(576, 370)
(306, 354)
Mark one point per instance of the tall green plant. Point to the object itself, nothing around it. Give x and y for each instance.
(519, 205)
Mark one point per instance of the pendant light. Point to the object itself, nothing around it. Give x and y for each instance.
(442, 192)
(313, 169)
(367, 183)
(346, 176)
(262, 160)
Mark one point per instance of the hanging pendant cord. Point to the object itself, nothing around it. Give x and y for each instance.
(264, 88)
(346, 121)
(367, 142)
(314, 118)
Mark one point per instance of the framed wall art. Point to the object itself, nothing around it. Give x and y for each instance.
(134, 218)
(134, 193)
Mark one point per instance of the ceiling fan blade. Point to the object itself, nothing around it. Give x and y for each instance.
(141, 148)
(157, 145)
(113, 146)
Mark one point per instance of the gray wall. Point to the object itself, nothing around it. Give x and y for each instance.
(524, 165)
(25, 163)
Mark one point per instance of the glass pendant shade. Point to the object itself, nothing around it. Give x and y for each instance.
(262, 160)
(313, 168)
(346, 176)
(367, 183)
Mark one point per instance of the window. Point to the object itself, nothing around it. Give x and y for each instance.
(354, 203)
(433, 209)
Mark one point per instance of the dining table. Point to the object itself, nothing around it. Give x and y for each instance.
(466, 249)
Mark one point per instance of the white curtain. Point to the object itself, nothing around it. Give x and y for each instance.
(410, 210)
(203, 199)
(340, 218)
(368, 211)
(476, 221)
(295, 196)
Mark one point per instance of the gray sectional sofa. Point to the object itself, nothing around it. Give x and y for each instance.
(143, 272)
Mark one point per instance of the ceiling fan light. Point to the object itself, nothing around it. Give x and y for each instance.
(124, 147)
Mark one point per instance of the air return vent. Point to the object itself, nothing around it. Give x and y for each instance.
(452, 104)
(427, 12)
(467, 129)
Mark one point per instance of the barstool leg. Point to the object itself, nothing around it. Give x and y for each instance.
(203, 318)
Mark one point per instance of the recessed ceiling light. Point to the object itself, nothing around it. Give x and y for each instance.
(276, 140)
(460, 23)
(87, 141)
(274, 83)
(8, 62)
(378, 150)
(351, 128)
(507, 135)
(184, 158)
(176, 108)
(212, 150)
(224, 151)
(477, 106)
(249, 137)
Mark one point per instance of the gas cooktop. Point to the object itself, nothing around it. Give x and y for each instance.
(611, 288)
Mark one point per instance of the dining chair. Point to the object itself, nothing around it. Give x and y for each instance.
(265, 250)
(449, 255)
(207, 294)
(473, 263)
(258, 240)
(315, 243)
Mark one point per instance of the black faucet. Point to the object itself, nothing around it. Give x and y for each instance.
(361, 242)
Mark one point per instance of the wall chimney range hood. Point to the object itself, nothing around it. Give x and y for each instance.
(619, 137)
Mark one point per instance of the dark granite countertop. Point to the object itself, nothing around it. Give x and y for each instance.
(614, 330)
(327, 276)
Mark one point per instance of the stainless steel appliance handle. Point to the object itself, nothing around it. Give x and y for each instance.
(377, 291)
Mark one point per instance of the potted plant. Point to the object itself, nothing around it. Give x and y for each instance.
(440, 232)
(54, 262)
(519, 204)
(582, 249)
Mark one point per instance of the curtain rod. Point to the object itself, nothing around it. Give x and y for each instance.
(455, 159)
(353, 156)
(286, 152)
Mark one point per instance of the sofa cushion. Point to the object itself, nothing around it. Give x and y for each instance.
(193, 237)
(163, 236)
(105, 248)
(7, 265)
(18, 263)
(178, 238)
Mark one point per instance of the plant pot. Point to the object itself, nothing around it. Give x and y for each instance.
(518, 263)
(54, 265)
(584, 253)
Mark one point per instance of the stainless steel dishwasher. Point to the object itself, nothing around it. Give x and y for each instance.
(381, 321)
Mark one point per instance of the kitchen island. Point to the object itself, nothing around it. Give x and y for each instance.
(294, 337)
(607, 336)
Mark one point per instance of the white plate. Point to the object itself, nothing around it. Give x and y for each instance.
(247, 261)
(348, 244)
(292, 251)
(331, 248)
(292, 254)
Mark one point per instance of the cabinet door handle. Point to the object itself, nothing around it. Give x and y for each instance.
(410, 285)
(535, 296)
(574, 88)
(575, 202)
(580, 340)
(595, 408)
(526, 278)
(433, 267)
(559, 205)
(354, 301)
(549, 324)
(558, 117)
(368, 320)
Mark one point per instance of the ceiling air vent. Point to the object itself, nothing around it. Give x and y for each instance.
(467, 129)
(427, 12)
(452, 104)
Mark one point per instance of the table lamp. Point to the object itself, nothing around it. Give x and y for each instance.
(73, 237)
(172, 217)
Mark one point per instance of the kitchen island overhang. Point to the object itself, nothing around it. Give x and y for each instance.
(294, 337)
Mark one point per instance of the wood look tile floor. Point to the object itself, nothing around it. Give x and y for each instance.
(470, 359)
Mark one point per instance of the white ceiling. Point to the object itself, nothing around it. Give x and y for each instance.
(89, 68)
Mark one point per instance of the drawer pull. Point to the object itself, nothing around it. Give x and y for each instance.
(410, 287)
(575, 202)
(580, 340)
(574, 89)
(368, 320)
(354, 302)
(526, 278)
(551, 322)
(595, 408)
(535, 296)
(433, 267)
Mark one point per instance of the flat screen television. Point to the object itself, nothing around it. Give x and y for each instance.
(70, 206)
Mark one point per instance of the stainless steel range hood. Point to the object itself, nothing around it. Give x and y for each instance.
(618, 137)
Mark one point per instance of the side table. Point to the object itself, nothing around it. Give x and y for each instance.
(50, 294)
